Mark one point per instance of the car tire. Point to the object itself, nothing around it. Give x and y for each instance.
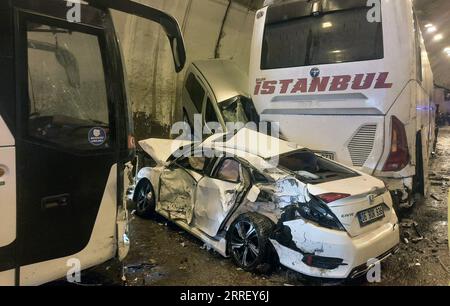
(248, 242)
(144, 198)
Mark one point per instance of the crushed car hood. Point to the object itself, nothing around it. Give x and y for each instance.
(161, 149)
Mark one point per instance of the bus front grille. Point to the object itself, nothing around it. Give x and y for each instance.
(361, 145)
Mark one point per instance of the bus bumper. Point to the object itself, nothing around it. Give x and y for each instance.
(401, 190)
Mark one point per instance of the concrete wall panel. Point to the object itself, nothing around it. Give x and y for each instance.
(154, 88)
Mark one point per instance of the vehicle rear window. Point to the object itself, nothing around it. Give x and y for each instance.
(332, 37)
(313, 169)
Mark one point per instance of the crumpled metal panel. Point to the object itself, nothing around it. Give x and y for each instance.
(161, 149)
(177, 194)
(215, 199)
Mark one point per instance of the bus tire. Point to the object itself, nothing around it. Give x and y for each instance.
(419, 179)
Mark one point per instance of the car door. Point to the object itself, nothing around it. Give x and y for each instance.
(178, 184)
(217, 195)
(66, 137)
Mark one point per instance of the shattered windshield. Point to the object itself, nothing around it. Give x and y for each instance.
(313, 169)
(239, 109)
(66, 75)
(68, 101)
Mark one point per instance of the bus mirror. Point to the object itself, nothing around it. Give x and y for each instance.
(169, 24)
(67, 60)
(176, 54)
(173, 32)
(64, 57)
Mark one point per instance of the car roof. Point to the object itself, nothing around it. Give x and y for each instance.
(224, 77)
(249, 142)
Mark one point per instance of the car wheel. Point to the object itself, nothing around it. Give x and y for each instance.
(248, 242)
(145, 199)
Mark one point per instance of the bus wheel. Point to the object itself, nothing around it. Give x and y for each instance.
(145, 199)
(419, 179)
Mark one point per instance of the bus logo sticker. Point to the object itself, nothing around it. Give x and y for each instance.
(360, 81)
(315, 72)
(97, 136)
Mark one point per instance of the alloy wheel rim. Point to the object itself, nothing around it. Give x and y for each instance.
(145, 197)
(244, 243)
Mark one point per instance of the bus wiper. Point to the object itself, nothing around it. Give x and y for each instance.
(98, 122)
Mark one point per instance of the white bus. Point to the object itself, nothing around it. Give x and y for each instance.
(65, 136)
(352, 80)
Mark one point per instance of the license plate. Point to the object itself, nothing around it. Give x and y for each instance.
(371, 215)
(329, 155)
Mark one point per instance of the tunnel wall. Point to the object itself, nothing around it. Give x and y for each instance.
(154, 88)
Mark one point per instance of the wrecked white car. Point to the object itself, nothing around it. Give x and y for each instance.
(261, 200)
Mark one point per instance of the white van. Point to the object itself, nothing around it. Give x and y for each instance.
(216, 90)
(351, 80)
(65, 136)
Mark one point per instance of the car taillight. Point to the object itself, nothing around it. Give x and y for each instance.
(332, 197)
(318, 211)
(399, 154)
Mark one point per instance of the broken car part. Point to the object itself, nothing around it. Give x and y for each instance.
(321, 218)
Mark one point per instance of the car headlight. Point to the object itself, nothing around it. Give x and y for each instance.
(320, 214)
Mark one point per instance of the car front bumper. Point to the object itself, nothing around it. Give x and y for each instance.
(358, 253)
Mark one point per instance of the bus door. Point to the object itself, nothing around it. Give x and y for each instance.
(65, 132)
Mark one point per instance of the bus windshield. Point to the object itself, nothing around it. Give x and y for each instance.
(332, 37)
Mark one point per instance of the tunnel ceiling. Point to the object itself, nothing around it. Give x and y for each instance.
(436, 12)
